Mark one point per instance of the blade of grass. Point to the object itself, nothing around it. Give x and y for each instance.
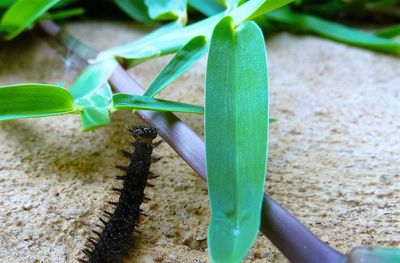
(123, 101)
(207, 7)
(185, 58)
(389, 32)
(171, 42)
(236, 134)
(334, 31)
(92, 92)
(63, 14)
(167, 10)
(34, 100)
(126, 101)
(136, 9)
(22, 14)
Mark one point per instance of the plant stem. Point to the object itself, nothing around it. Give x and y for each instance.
(291, 237)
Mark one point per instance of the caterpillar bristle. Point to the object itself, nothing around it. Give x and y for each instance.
(96, 233)
(126, 153)
(156, 144)
(119, 229)
(150, 185)
(137, 231)
(113, 203)
(156, 159)
(102, 221)
(87, 252)
(122, 168)
(92, 241)
(107, 214)
(82, 260)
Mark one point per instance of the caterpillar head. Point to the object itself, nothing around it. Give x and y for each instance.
(144, 134)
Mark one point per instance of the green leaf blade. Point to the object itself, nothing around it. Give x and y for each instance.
(185, 58)
(92, 92)
(334, 31)
(123, 101)
(236, 135)
(166, 9)
(22, 14)
(34, 100)
(136, 9)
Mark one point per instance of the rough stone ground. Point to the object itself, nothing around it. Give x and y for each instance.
(334, 153)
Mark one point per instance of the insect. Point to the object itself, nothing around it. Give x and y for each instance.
(112, 243)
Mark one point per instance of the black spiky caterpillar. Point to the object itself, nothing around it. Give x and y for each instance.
(113, 242)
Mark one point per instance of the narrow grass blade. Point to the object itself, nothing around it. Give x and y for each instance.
(236, 135)
(255, 8)
(126, 101)
(22, 14)
(63, 14)
(334, 31)
(389, 32)
(166, 10)
(171, 42)
(138, 44)
(92, 92)
(186, 57)
(34, 100)
(136, 9)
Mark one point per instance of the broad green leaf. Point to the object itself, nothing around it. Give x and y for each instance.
(34, 100)
(186, 57)
(171, 42)
(125, 101)
(334, 31)
(136, 9)
(167, 9)
(236, 136)
(96, 112)
(63, 14)
(22, 14)
(92, 92)
(207, 7)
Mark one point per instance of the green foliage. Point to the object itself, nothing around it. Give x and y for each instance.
(167, 9)
(186, 57)
(126, 101)
(236, 135)
(22, 14)
(63, 14)
(171, 42)
(307, 23)
(34, 100)
(207, 7)
(136, 9)
(92, 92)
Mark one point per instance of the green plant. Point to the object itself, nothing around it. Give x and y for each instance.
(236, 93)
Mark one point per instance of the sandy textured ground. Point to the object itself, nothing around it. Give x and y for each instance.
(334, 154)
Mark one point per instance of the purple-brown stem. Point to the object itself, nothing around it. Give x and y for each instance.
(291, 237)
